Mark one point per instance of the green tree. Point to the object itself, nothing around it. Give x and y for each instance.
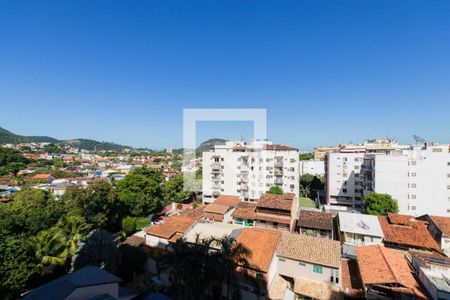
(99, 204)
(275, 190)
(141, 191)
(18, 266)
(98, 249)
(380, 204)
(230, 255)
(306, 156)
(72, 228)
(133, 261)
(129, 225)
(310, 185)
(30, 211)
(48, 246)
(173, 190)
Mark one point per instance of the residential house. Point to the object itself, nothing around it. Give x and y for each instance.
(311, 264)
(221, 209)
(271, 211)
(86, 283)
(315, 223)
(262, 244)
(43, 177)
(434, 273)
(405, 232)
(387, 274)
(245, 214)
(358, 230)
(207, 230)
(439, 228)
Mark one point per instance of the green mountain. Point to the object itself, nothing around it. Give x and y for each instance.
(7, 137)
(209, 144)
(93, 145)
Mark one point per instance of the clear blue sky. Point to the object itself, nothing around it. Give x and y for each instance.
(327, 71)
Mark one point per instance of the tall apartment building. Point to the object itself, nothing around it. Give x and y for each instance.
(417, 176)
(343, 183)
(249, 170)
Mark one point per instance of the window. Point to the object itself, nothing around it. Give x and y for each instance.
(317, 269)
(238, 221)
(413, 185)
(281, 259)
(344, 190)
(413, 196)
(413, 174)
(301, 264)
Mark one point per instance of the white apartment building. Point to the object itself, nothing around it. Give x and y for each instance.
(313, 167)
(417, 176)
(343, 183)
(249, 170)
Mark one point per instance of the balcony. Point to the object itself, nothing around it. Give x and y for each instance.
(244, 186)
(278, 172)
(278, 163)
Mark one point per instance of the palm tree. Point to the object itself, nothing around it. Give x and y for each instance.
(48, 246)
(73, 229)
(232, 254)
(174, 261)
(99, 249)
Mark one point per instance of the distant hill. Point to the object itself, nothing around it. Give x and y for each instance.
(93, 145)
(209, 144)
(7, 137)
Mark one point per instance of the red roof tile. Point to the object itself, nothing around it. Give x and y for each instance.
(443, 223)
(262, 243)
(228, 200)
(273, 201)
(382, 266)
(407, 231)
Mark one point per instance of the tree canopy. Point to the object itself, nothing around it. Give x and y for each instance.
(99, 204)
(275, 190)
(141, 191)
(380, 204)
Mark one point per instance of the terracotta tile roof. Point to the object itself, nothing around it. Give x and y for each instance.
(41, 176)
(173, 225)
(351, 281)
(272, 201)
(196, 213)
(262, 243)
(315, 289)
(279, 147)
(245, 210)
(407, 231)
(382, 266)
(315, 219)
(231, 201)
(134, 241)
(443, 223)
(310, 249)
(216, 208)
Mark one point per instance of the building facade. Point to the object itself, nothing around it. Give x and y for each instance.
(249, 170)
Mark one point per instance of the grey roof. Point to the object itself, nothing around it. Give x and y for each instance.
(62, 287)
(360, 223)
(439, 280)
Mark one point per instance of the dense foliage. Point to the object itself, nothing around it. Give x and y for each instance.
(141, 191)
(306, 156)
(99, 204)
(275, 190)
(380, 204)
(11, 161)
(310, 185)
(195, 269)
